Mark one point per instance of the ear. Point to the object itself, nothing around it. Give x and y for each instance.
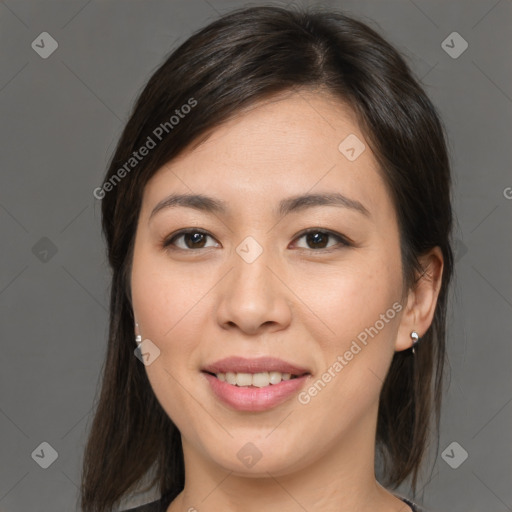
(421, 299)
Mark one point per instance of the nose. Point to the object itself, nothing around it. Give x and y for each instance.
(253, 297)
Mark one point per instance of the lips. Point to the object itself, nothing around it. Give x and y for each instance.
(237, 364)
(252, 398)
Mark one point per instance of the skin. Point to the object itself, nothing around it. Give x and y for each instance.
(296, 302)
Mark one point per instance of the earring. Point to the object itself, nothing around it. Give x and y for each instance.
(415, 338)
(138, 337)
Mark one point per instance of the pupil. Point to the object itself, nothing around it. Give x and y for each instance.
(316, 238)
(196, 237)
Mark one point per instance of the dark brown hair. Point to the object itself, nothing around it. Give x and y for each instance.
(244, 57)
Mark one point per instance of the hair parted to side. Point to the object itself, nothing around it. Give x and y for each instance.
(244, 57)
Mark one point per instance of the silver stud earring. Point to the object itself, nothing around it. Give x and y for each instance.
(138, 337)
(415, 338)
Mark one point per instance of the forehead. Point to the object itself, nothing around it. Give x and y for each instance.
(286, 145)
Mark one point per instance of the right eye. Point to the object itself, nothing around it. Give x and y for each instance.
(192, 239)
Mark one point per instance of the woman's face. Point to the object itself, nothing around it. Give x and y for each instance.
(247, 282)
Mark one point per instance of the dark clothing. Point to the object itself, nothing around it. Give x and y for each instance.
(162, 504)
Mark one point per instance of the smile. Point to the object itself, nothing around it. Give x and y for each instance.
(258, 380)
(254, 392)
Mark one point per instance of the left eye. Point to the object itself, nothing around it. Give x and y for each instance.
(316, 238)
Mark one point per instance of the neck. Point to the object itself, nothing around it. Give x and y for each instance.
(341, 478)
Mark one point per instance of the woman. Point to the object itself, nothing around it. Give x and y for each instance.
(278, 220)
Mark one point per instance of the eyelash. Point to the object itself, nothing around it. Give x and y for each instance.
(343, 240)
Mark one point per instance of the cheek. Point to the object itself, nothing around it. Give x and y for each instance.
(362, 310)
(164, 308)
(165, 297)
(355, 297)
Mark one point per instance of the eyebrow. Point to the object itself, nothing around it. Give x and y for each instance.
(291, 204)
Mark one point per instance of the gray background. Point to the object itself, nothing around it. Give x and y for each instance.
(60, 118)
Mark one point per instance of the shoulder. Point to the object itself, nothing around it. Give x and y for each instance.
(413, 506)
(154, 506)
(157, 506)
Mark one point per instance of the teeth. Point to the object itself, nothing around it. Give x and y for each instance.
(276, 377)
(243, 379)
(261, 380)
(231, 378)
(258, 380)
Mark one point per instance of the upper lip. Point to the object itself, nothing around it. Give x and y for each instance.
(236, 364)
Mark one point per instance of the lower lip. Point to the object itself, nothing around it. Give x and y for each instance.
(252, 398)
